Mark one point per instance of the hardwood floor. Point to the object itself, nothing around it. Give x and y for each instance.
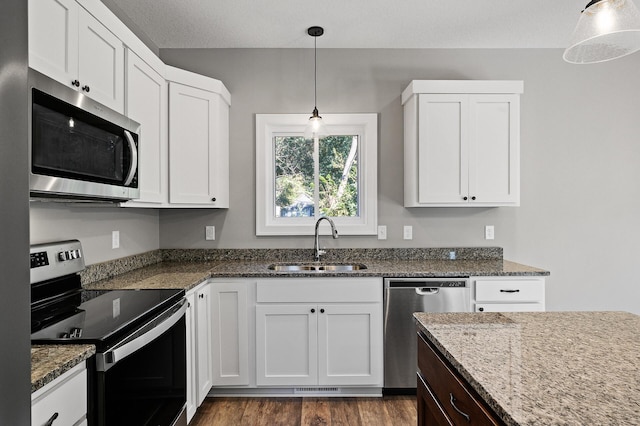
(390, 410)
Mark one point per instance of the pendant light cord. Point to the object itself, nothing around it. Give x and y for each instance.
(315, 72)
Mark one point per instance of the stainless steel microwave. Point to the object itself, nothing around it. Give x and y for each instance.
(80, 150)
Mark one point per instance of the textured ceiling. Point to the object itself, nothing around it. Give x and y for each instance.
(355, 23)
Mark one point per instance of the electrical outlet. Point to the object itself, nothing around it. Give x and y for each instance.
(115, 239)
(382, 232)
(407, 232)
(210, 233)
(489, 233)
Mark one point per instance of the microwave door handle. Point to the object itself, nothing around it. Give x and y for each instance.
(134, 158)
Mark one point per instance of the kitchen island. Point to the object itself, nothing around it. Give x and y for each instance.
(544, 368)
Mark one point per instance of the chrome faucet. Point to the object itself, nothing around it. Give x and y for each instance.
(316, 247)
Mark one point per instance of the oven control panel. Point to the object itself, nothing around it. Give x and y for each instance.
(39, 259)
(52, 260)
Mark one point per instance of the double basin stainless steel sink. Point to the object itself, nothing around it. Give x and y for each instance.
(316, 267)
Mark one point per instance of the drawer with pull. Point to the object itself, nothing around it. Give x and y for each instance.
(459, 402)
(521, 290)
(63, 401)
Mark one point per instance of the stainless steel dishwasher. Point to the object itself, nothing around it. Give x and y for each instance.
(403, 297)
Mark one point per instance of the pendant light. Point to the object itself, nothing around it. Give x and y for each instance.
(606, 30)
(315, 128)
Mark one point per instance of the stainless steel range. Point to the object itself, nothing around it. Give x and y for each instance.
(138, 376)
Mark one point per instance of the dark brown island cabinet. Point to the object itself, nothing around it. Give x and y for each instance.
(445, 398)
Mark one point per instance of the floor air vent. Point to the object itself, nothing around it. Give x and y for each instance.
(316, 390)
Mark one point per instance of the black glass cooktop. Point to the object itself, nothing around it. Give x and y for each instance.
(105, 314)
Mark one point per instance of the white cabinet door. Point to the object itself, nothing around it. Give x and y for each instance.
(100, 62)
(203, 342)
(71, 46)
(443, 146)
(198, 147)
(146, 103)
(230, 333)
(286, 345)
(494, 158)
(53, 39)
(192, 374)
(350, 350)
(198, 345)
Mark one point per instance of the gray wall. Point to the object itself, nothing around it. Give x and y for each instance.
(15, 365)
(580, 208)
(93, 225)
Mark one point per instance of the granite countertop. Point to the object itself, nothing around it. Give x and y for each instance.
(164, 275)
(49, 362)
(185, 269)
(186, 275)
(546, 368)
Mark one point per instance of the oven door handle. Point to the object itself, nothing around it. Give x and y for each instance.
(134, 158)
(142, 337)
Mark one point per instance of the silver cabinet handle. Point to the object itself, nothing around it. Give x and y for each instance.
(452, 400)
(134, 158)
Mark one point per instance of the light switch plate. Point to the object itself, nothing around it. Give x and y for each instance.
(382, 232)
(115, 239)
(210, 233)
(489, 233)
(407, 232)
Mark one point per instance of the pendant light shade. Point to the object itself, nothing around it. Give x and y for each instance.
(315, 128)
(607, 29)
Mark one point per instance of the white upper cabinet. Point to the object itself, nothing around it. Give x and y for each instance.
(184, 117)
(147, 103)
(462, 143)
(198, 140)
(53, 38)
(71, 46)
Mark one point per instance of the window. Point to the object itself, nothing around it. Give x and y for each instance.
(299, 180)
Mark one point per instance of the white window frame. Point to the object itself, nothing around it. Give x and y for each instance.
(270, 125)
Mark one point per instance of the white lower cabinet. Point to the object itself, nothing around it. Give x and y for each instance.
(319, 332)
(508, 294)
(230, 332)
(199, 350)
(63, 401)
(287, 345)
(348, 340)
(192, 387)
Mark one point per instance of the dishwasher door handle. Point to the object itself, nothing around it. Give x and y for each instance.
(427, 291)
